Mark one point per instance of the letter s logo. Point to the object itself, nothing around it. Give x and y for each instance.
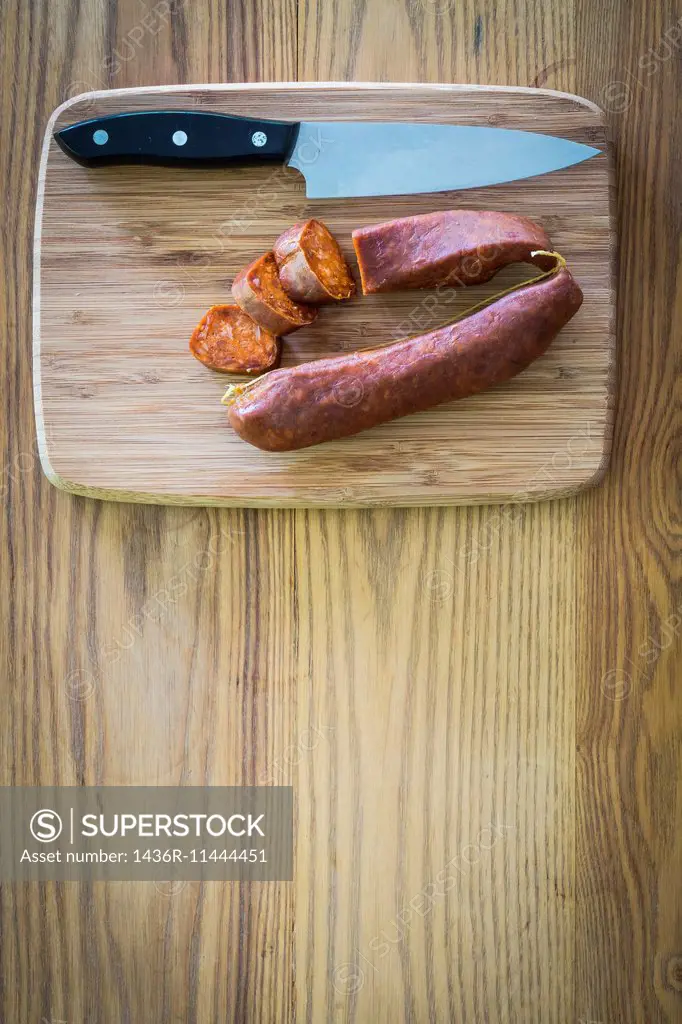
(46, 826)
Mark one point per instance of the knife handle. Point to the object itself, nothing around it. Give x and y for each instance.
(185, 137)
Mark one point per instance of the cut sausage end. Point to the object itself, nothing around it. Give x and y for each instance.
(259, 292)
(229, 340)
(311, 266)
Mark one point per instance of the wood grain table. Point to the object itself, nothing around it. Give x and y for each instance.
(491, 689)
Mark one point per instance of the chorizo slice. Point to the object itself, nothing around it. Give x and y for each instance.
(259, 292)
(336, 397)
(452, 247)
(311, 265)
(227, 339)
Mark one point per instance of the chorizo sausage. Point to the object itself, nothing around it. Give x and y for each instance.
(311, 265)
(227, 339)
(339, 396)
(453, 247)
(258, 290)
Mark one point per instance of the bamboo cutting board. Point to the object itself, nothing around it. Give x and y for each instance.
(127, 259)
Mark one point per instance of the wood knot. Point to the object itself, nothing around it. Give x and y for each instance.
(672, 973)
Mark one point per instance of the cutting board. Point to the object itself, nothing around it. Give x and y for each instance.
(127, 259)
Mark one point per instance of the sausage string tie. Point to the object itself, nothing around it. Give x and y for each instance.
(235, 390)
(558, 265)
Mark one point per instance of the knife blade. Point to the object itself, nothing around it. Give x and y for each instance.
(337, 158)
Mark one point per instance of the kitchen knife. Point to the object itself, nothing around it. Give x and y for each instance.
(336, 158)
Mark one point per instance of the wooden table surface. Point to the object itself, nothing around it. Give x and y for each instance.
(491, 689)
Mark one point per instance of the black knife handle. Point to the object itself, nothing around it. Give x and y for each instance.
(187, 137)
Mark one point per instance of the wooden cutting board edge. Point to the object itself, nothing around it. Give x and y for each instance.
(140, 497)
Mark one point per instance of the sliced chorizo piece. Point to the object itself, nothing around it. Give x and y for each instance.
(258, 290)
(336, 397)
(452, 247)
(311, 265)
(227, 339)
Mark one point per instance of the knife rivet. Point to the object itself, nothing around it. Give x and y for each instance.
(259, 139)
(179, 138)
(100, 137)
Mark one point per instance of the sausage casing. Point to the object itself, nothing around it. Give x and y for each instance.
(343, 395)
(450, 247)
